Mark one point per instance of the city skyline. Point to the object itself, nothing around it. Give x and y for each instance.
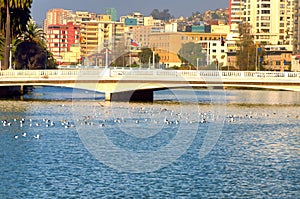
(176, 8)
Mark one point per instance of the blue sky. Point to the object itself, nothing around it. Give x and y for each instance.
(176, 7)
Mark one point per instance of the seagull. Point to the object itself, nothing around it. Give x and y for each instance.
(24, 134)
(37, 136)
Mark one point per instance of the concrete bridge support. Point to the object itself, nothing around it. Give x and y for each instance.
(130, 96)
(11, 91)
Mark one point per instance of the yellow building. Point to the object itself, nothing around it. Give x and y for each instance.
(96, 36)
(72, 57)
(167, 45)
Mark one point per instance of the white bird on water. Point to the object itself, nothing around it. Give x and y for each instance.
(37, 136)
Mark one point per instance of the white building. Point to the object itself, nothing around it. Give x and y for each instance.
(271, 20)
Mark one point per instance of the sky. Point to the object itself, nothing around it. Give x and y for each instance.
(176, 7)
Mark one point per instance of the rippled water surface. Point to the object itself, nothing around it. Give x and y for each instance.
(88, 148)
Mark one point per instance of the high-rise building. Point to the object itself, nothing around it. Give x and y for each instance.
(97, 37)
(271, 20)
(236, 14)
(60, 38)
(112, 12)
(296, 42)
(56, 16)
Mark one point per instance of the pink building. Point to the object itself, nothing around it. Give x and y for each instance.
(60, 38)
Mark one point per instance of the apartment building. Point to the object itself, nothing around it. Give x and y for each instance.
(60, 39)
(236, 14)
(112, 12)
(97, 37)
(272, 25)
(168, 44)
(135, 18)
(271, 20)
(56, 16)
(296, 37)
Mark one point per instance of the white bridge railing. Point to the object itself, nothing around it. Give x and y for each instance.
(112, 72)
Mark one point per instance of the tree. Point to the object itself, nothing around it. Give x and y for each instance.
(146, 56)
(189, 53)
(14, 17)
(155, 14)
(246, 48)
(34, 34)
(32, 51)
(249, 54)
(164, 15)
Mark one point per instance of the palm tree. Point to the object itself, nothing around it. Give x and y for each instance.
(34, 34)
(31, 52)
(13, 21)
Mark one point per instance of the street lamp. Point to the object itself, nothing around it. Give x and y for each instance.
(106, 55)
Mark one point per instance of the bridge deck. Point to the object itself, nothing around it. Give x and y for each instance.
(110, 80)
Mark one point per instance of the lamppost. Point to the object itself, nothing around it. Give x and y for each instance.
(106, 55)
(153, 59)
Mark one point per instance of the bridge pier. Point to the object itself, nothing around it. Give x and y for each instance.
(11, 91)
(130, 96)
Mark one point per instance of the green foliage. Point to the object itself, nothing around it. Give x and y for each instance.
(34, 34)
(134, 65)
(19, 14)
(31, 53)
(246, 48)
(215, 16)
(248, 55)
(189, 53)
(163, 15)
(146, 56)
(14, 17)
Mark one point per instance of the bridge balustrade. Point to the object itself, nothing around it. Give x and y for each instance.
(162, 73)
(293, 74)
(263, 74)
(167, 73)
(232, 74)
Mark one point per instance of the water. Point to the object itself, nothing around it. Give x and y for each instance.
(251, 144)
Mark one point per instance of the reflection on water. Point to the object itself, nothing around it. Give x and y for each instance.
(256, 155)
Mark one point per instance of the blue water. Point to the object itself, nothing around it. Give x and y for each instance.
(254, 155)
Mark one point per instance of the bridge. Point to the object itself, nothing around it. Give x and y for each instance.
(120, 84)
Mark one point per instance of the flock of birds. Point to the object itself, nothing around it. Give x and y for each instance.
(112, 116)
(156, 116)
(22, 122)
